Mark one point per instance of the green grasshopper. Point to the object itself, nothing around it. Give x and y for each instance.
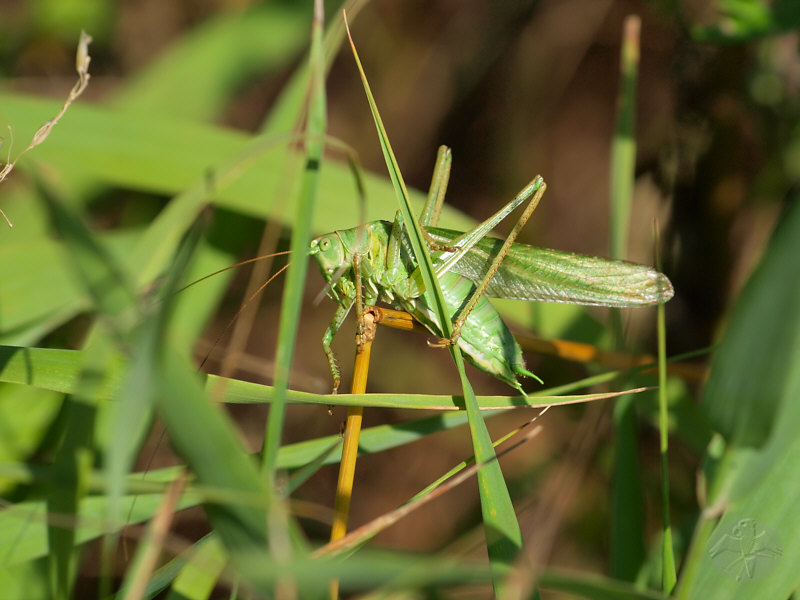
(376, 262)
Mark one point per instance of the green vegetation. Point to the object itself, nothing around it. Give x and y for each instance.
(126, 471)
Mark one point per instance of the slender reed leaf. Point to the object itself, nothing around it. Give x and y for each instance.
(503, 536)
(301, 238)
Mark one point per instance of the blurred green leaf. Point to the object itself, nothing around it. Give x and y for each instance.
(197, 76)
(751, 397)
(745, 20)
(165, 155)
(23, 526)
(627, 524)
(760, 352)
(111, 292)
(25, 581)
(199, 574)
(31, 270)
(66, 18)
(26, 414)
(752, 552)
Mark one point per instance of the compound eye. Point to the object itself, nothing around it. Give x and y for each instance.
(324, 244)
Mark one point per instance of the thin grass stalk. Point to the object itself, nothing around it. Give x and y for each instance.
(442, 485)
(668, 575)
(149, 551)
(627, 525)
(295, 279)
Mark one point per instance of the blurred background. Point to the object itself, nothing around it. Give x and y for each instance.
(516, 89)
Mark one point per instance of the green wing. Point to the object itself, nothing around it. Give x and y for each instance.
(530, 273)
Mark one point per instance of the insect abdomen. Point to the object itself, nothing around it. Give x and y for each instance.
(485, 338)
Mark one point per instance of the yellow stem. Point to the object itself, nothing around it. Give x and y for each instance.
(352, 431)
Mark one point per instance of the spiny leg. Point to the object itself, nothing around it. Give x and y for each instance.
(441, 175)
(327, 338)
(464, 243)
(535, 189)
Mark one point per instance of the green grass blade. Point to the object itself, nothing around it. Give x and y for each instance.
(433, 294)
(296, 276)
(503, 535)
(58, 370)
(395, 571)
(627, 524)
(53, 369)
(669, 575)
(203, 567)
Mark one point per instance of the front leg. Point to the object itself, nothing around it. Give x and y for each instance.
(333, 327)
(402, 281)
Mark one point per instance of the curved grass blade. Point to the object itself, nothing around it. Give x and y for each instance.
(503, 536)
(58, 370)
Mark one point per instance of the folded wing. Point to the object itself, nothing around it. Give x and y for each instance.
(531, 273)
